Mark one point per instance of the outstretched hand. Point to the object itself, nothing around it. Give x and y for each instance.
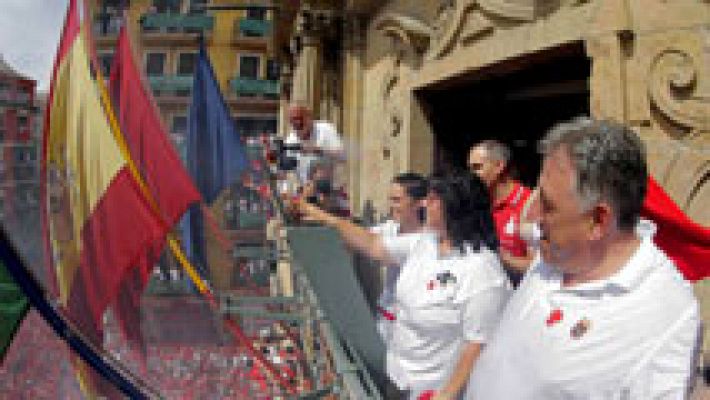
(309, 212)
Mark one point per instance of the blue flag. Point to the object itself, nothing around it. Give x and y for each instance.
(216, 156)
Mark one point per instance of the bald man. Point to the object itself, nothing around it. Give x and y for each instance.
(318, 140)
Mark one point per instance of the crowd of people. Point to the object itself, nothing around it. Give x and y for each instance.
(498, 291)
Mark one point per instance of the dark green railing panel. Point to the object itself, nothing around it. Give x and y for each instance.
(248, 220)
(180, 22)
(252, 87)
(171, 83)
(321, 254)
(271, 300)
(254, 27)
(255, 252)
(258, 313)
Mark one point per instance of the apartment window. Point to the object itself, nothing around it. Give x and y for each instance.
(105, 60)
(256, 13)
(4, 91)
(179, 125)
(22, 122)
(198, 6)
(249, 67)
(22, 154)
(254, 126)
(186, 63)
(167, 6)
(272, 70)
(22, 95)
(155, 64)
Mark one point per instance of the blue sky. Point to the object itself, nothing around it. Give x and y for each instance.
(29, 33)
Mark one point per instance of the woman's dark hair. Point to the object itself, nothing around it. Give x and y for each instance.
(414, 184)
(467, 210)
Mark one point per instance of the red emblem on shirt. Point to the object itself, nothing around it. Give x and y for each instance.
(430, 285)
(554, 317)
(427, 395)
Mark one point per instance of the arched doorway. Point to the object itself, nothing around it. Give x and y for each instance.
(515, 101)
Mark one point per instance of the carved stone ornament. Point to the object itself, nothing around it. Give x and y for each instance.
(411, 32)
(675, 90)
(409, 37)
(468, 20)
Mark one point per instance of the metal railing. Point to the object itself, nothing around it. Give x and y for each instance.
(248, 27)
(252, 87)
(176, 22)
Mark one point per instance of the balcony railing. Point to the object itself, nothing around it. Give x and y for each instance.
(180, 23)
(255, 87)
(253, 27)
(171, 84)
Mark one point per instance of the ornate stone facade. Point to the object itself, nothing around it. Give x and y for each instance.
(650, 68)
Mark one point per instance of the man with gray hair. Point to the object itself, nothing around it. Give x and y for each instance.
(491, 161)
(603, 313)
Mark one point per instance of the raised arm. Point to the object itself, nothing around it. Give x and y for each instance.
(356, 237)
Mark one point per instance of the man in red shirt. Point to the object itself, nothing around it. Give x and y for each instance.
(490, 160)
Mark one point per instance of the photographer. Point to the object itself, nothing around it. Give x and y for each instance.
(315, 140)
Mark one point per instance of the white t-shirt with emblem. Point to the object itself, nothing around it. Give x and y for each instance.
(441, 302)
(632, 336)
(389, 228)
(324, 136)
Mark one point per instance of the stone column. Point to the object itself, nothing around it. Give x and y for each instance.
(307, 75)
(286, 82)
(353, 58)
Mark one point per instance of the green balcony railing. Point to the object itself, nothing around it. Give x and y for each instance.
(252, 87)
(177, 22)
(171, 84)
(254, 27)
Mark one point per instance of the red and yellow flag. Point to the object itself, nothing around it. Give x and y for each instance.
(98, 224)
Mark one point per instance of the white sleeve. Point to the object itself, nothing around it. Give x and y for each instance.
(291, 138)
(670, 373)
(399, 247)
(330, 140)
(483, 297)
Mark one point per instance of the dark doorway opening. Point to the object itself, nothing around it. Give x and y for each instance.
(514, 101)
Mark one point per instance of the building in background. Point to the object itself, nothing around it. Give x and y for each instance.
(238, 39)
(20, 140)
(167, 32)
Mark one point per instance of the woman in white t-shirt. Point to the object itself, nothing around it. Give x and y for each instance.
(451, 288)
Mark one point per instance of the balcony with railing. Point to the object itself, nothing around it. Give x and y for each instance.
(250, 27)
(176, 85)
(251, 87)
(176, 23)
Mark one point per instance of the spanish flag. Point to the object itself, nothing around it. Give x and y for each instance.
(98, 223)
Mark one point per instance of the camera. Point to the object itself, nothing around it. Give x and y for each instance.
(281, 154)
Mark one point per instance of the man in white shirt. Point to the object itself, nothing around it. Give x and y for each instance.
(318, 140)
(602, 313)
(407, 193)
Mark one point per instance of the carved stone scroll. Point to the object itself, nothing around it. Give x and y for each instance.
(673, 88)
